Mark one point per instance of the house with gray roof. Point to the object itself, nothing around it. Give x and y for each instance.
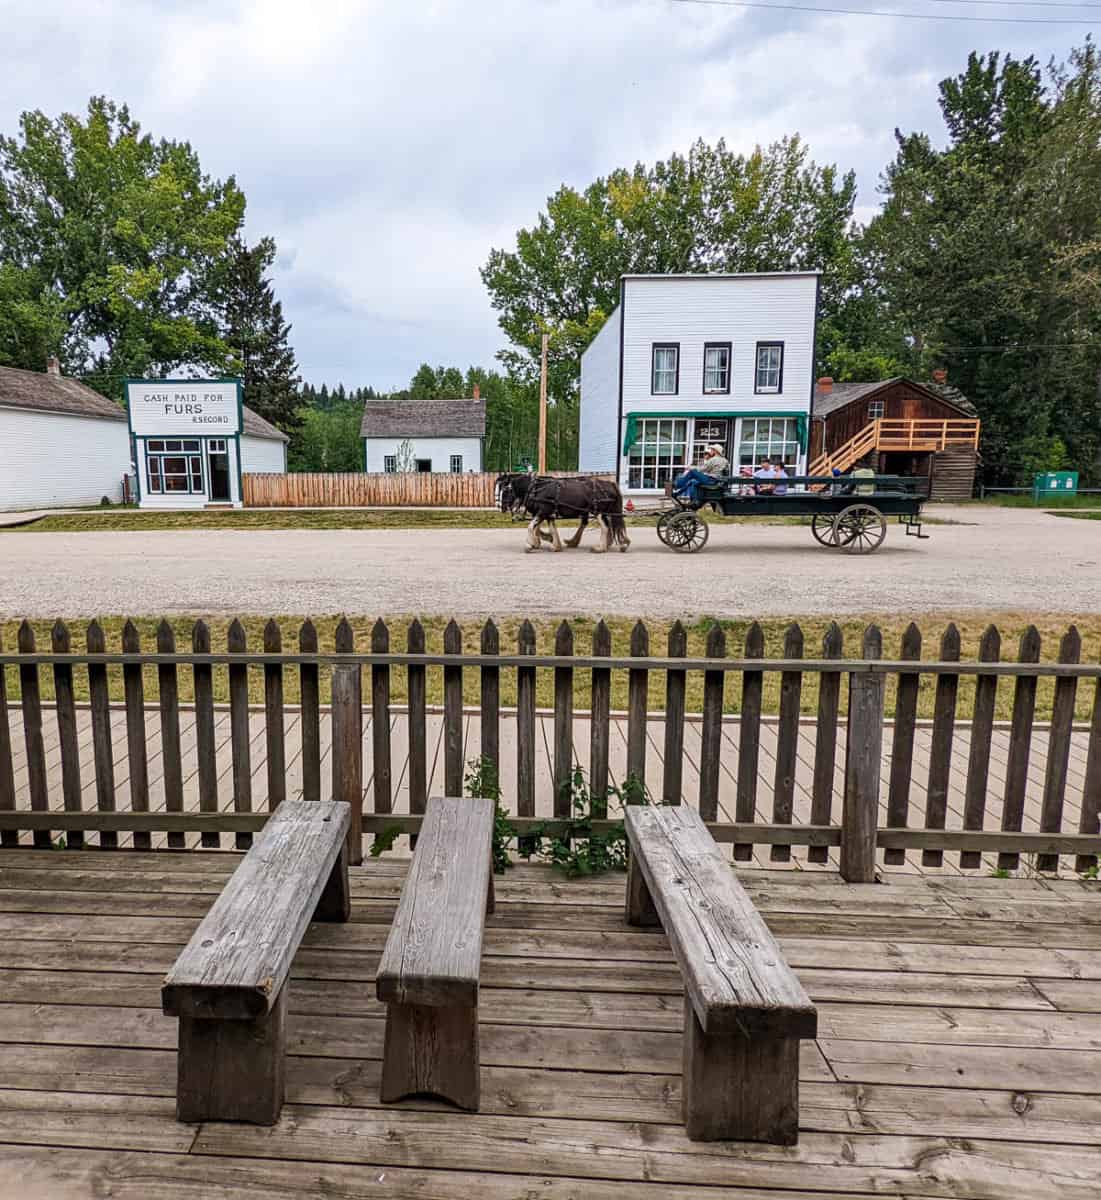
(428, 436)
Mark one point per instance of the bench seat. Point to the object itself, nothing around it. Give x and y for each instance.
(745, 1010)
(228, 988)
(428, 975)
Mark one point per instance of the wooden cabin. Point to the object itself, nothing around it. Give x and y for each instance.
(898, 427)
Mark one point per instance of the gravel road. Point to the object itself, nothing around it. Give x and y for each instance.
(1004, 559)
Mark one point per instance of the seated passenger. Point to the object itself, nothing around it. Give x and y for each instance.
(765, 471)
(713, 469)
(780, 489)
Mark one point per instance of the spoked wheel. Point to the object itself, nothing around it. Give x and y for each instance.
(663, 525)
(821, 525)
(859, 529)
(686, 532)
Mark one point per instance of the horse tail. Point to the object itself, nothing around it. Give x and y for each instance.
(618, 526)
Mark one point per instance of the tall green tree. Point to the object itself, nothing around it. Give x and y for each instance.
(256, 333)
(708, 210)
(113, 241)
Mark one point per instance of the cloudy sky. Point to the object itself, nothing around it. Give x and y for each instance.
(387, 145)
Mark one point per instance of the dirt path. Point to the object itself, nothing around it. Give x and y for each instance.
(1006, 559)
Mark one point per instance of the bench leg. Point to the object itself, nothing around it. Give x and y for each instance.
(335, 903)
(640, 904)
(738, 1088)
(232, 1070)
(431, 1051)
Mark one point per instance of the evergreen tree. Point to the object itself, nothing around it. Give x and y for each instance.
(256, 333)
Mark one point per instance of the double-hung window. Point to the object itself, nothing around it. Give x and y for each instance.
(390, 464)
(769, 373)
(456, 464)
(716, 368)
(875, 409)
(174, 466)
(665, 369)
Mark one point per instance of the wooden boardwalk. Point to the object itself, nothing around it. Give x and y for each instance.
(958, 1054)
(544, 789)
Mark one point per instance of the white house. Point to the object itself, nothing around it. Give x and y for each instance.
(687, 360)
(61, 443)
(441, 436)
(185, 443)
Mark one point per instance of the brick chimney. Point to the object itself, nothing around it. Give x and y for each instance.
(53, 367)
(940, 375)
(477, 392)
(825, 384)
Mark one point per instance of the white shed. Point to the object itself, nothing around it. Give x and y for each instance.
(61, 443)
(437, 436)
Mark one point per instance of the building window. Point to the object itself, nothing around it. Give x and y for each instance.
(665, 375)
(875, 409)
(390, 464)
(769, 376)
(708, 432)
(456, 464)
(174, 466)
(774, 438)
(659, 454)
(716, 367)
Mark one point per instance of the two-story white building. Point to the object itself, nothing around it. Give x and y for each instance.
(688, 360)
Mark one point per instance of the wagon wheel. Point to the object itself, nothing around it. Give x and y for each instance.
(859, 529)
(686, 533)
(821, 525)
(663, 525)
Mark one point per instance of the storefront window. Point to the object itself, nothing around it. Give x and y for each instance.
(174, 466)
(659, 453)
(709, 432)
(774, 438)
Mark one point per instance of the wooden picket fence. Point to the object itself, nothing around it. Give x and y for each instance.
(850, 696)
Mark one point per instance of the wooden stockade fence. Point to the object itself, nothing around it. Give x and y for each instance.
(354, 489)
(359, 678)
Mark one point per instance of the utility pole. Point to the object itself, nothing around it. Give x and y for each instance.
(543, 408)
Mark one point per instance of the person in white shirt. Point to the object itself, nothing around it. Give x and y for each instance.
(766, 471)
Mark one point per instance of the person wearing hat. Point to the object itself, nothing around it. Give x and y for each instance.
(713, 469)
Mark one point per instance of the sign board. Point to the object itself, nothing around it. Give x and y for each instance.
(711, 431)
(1055, 483)
(175, 407)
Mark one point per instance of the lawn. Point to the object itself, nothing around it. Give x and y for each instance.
(971, 628)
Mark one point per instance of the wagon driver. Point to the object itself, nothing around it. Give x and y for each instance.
(713, 469)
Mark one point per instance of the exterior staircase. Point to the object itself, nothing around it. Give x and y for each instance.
(894, 433)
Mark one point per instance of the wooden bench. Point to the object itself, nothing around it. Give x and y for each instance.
(228, 988)
(428, 975)
(744, 1009)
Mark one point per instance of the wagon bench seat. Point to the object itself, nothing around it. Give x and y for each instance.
(745, 1011)
(229, 986)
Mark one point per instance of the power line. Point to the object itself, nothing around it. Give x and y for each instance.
(903, 16)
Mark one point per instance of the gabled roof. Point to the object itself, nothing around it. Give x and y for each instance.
(39, 391)
(256, 426)
(842, 394)
(423, 418)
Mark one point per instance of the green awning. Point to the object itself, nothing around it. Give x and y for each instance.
(630, 433)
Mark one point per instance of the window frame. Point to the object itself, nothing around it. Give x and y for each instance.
(767, 446)
(453, 469)
(156, 477)
(758, 390)
(654, 454)
(729, 348)
(389, 464)
(881, 405)
(654, 348)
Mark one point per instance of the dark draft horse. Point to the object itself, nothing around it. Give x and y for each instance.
(546, 500)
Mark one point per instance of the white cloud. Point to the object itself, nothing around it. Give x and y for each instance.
(387, 147)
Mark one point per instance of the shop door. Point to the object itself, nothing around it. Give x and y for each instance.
(218, 463)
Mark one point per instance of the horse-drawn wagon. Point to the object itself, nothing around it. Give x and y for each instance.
(847, 513)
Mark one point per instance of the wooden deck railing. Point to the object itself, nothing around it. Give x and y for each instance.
(897, 433)
(850, 695)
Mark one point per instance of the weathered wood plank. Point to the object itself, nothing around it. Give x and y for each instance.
(787, 742)
(825, 740)
(453, 713)
(490, 713)
(310, 714)
(673, 755)
(1020, 745)
(525, 730)
(638, 684)
(563, 723)
(206, 746)
(711, 727)
(863, 759)
(381, 764)
(749, 739)
(273, 719)
(347, 746)
(239, 731)
(940, 750)
(8, 837)
(902, 744)
(1089, 821)
(31, 701)
(600, 723)
(978, 759)
(1058, 751)
(60, 643)
(102, 741)
(418, 738)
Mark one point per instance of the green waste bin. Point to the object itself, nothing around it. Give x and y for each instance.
(1055, 483)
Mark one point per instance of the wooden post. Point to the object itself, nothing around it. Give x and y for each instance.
(1020, 746)
(236, 643)
(940, 748)
(902, 744)
(8, 837)
(66, 731)
(563, 722)
(418, 738)
(273, 718)
(1058, 748)
(711, 727)
(32, 734)
(787, 742)
(490, 718)
(978, 760)
(137, 757)
(863, 755)
(638, 684)
(347, 719)
(453, 713)
(206, 748)
(600, 723)
(310, 688)
(525, 733)
(749, 740)
(1088, 821)
(380, 720)
(673, 766)
(825, 741)
(102, 744)
(543, 407)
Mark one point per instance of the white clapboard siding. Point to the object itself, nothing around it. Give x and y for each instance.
(261, 455)
(600, 399)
